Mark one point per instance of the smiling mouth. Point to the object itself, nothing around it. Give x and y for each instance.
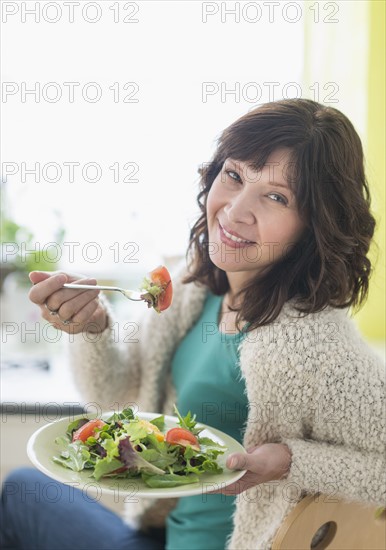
(233, 237)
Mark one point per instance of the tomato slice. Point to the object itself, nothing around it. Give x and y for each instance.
(88, 430)
(160, 276)
(180, 436)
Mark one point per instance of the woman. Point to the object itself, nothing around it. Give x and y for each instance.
(257, 343)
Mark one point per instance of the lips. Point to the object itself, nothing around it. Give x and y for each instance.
(232, 238)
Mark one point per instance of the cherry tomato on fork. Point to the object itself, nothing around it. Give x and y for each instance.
(160, 276)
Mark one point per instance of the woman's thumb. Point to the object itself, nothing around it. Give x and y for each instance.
(237, 461)
(39, 276)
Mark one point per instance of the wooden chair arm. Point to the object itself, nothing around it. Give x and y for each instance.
(348, 526)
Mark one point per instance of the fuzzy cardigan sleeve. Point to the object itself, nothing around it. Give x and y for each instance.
(321, 390)
(128, 363)
(106, 366)
(343, 453)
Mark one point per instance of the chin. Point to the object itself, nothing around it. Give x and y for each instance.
(233, 267)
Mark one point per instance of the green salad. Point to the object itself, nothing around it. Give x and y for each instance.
(127, 446)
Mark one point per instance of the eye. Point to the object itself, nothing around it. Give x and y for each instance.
(278, 198)
(232, 174)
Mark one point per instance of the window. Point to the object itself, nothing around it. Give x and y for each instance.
(106, 123)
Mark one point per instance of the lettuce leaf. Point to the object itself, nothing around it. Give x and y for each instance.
(168, 480)
(106, 466)
(75, 456)
(133, 460)
(159, 453)
(125, 415)
(188, 422)
(151, 288)
(159, 422)
(125, 448)
(136, 431)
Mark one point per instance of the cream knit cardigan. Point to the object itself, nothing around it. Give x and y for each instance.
(311, 382)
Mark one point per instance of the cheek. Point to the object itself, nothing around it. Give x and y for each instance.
(212, 203)
(286, 230)
(294, 231)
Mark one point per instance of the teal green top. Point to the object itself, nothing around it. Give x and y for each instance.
(207, 378)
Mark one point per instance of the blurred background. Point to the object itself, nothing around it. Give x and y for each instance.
(108, 110)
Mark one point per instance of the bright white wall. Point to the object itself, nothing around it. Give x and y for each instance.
(170, 53)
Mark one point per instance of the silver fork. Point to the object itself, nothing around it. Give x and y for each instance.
(130, 294)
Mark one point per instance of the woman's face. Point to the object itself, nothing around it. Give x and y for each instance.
(252, 216)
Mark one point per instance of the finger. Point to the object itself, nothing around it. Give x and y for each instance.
(39, 276)
(91, 318)
(62, 295)
(40, 291)
(253, 448)
(84, 315)
(239, 461)
(52, 319)
(72, 307)
(66, 322)
(71, 315)
(98, 321)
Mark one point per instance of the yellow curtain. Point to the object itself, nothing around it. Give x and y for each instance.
(372, 317)
(345, 62)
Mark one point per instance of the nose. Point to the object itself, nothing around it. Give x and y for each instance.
(240, 209)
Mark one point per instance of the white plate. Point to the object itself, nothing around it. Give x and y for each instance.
(41, 448)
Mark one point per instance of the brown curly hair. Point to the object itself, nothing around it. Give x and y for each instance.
(328, 266)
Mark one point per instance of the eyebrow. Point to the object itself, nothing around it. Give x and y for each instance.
(276, 184)
(273, 183)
